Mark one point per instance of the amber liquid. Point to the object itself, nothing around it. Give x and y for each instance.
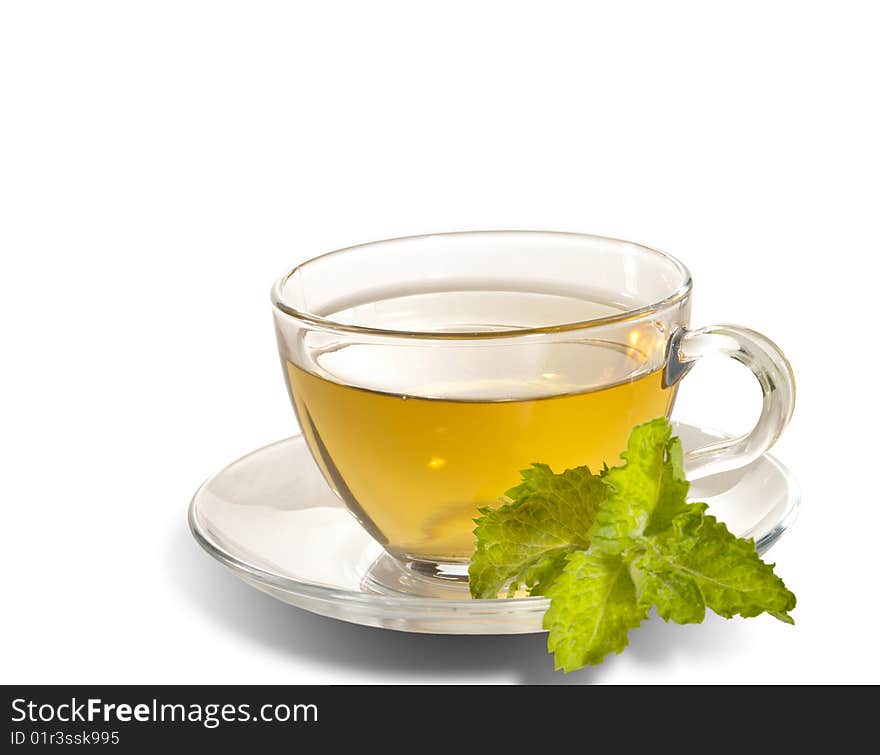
(415, 469)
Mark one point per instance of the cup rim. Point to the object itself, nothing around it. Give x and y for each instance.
(328, 324)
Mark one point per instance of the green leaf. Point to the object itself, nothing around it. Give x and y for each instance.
(675, 595)
(592, 608)
(607, 548)
(646, 492)
(700, 554)
(525, 542)
(577, 491)
(542, 574)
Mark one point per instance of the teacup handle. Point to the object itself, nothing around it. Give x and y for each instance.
(769, 365)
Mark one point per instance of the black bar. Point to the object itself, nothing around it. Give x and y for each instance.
(420, 717)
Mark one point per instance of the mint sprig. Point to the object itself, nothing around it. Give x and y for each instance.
(607, 548)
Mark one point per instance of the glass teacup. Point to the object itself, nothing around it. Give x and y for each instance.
(427, 371)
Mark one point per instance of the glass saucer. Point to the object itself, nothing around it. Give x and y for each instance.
(271, 519)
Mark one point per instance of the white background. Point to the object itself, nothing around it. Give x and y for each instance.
(162, 162)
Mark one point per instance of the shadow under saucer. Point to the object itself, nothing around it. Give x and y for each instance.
(432, 658)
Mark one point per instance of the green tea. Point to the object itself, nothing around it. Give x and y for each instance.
(414, 469)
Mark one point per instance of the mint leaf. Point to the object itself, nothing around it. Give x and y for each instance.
(539, 576)
(576, 490)
(525, 542)
(675, 595)
(646, 492)
(699, 560)
(607, 548)
(593, 606)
